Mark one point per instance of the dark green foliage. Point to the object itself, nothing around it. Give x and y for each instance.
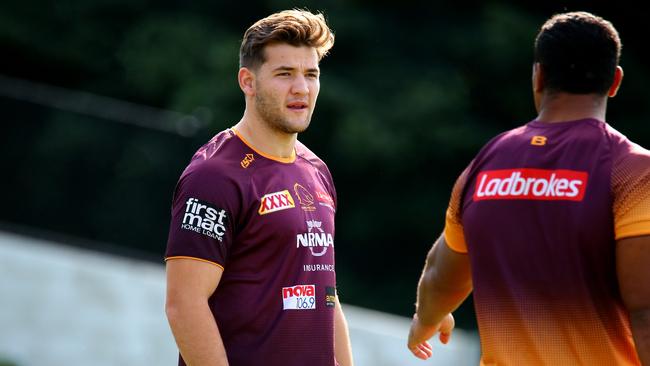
(4, 362)
(408, 96)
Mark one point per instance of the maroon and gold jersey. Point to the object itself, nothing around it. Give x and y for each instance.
(269, 223)
(539, 211)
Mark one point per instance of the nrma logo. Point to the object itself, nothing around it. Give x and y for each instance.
(204, 218)
(316, 239)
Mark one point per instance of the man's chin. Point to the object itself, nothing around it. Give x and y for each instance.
(298, 127)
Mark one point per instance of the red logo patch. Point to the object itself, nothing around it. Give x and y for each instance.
(324, 197)
(299, 297)
(531, 184)
(276, 201)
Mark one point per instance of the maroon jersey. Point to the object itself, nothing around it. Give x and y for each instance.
(539, 211)
(269, 223)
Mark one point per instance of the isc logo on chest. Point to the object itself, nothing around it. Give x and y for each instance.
(531, 184)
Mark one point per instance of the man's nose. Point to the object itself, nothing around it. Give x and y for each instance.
(300, 85)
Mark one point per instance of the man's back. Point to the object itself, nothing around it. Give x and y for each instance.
(536, 211)
(555, 217)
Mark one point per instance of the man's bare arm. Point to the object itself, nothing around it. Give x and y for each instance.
(342, 346)
(445, 283)
(189, 285)
(633, 268)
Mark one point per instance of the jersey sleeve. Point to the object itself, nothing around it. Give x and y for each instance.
(330, 186)
(454, 235)
(631, 189)
(204, 211)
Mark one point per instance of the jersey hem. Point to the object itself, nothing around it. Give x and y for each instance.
(194, 258)
(453, 247)
(633, 233)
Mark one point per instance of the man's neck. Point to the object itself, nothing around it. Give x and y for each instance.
(563, 107)
(265, 139)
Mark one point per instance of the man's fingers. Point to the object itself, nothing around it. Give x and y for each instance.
(446, 327)
(422, 350)
(448, 323)
(418, 334)
(444, 337)
(419, 354)
(425, 346)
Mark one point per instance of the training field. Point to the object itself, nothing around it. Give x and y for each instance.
(67, 306)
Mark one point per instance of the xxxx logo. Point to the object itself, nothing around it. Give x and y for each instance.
(276, 201)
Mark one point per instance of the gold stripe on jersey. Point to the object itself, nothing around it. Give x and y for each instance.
(454, 235)
(631, 188)
(290, 159)
(194, 259)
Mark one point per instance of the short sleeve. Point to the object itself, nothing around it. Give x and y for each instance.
(454, 235)
(330, 186)
(631, 189)
(204, 210)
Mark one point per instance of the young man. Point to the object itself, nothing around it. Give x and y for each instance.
(550, 223)
(250, 256)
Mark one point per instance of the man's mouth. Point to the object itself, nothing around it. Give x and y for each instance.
(297, 106)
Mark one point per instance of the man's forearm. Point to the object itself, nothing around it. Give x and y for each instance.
(197, 334)
(640, 321)
(444, 285)
(342, 346)
(434, 300)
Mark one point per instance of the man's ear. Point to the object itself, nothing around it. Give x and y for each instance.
(246, 79)
(618, 79)
(538, 77)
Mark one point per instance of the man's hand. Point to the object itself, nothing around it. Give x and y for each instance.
(420, 333)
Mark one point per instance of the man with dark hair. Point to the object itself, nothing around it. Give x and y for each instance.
(250, 256)
(549, 225)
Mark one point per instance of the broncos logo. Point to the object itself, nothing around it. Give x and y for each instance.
(305, 198)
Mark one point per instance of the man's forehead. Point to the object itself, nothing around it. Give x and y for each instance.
(287, 56)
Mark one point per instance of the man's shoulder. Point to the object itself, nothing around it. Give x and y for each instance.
(303, 152)
(622, 146)
(220, 158)
(615, 135)
(535, 133)
(503, 139)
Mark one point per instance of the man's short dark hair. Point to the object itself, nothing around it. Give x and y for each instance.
(295, 27)
(578, 53)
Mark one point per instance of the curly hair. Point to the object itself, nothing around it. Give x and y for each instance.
(578, 53)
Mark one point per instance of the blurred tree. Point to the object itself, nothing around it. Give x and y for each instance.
(409, 94)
